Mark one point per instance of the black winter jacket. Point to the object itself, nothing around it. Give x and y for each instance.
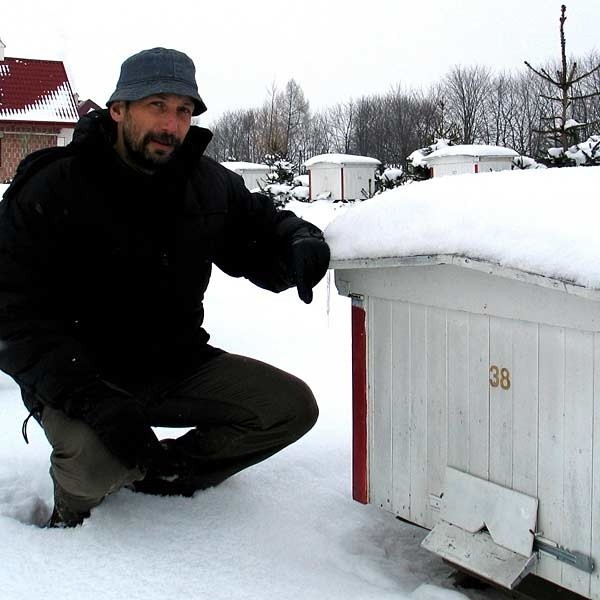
(103, 269)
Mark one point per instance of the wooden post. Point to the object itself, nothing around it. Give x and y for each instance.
(360, 486)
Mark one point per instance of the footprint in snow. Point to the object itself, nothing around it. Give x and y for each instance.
(19, 503)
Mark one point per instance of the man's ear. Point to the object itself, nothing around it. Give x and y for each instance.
(117, 111)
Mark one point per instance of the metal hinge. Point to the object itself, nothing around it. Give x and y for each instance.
(571, 557)
(357, 299)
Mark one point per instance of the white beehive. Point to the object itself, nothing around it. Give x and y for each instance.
(476, 365)
(490, 371)
(253, 174)
(469, 158)
(341, 176)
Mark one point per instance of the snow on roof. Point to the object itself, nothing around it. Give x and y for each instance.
(36, 90)
(471, 150)
(341, 159)
(245, 166)
(539, 221)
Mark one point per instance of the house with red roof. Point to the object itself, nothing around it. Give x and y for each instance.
(37, 109)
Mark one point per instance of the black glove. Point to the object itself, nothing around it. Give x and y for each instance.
(309, 259)
(118, 420)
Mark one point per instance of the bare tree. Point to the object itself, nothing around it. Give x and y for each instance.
(293, 115)
(525, 115)
(319, 137)
(586, 105)
(230, 137)
(466, 90)
(436, 122)
(271, 126)
(341, 118)
(563, 85)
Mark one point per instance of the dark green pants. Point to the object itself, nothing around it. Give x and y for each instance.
(242, 411)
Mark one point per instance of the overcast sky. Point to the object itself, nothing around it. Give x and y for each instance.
(335, 50)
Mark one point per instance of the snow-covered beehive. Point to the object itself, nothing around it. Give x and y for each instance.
(476, 367)
(253, 174)
(469, 158)
(341, 176)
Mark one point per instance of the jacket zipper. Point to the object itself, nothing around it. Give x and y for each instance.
(164, 258)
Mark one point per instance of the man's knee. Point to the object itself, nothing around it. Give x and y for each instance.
(81, 464)
(302, 406)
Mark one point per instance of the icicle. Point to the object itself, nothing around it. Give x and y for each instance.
(328, 294)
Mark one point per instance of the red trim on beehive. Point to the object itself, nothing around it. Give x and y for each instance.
(360, 486)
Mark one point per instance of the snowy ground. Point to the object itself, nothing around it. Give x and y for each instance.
(284, 529)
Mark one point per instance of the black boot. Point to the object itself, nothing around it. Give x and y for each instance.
(171, 474)
(63, 515)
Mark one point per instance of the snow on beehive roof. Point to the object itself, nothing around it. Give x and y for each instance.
(539, 221)
(341, 159)
(36, 90)
(472, 150)
(245, 166)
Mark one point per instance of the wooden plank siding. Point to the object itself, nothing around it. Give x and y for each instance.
(577, 453)
(431, 405)
(501, 402)
(437, 406)
(419, 493)
(401, 417)
(380, 405)
(458, 390)
(524, 385)
(595, 579)
(551, 385)
(479, 390)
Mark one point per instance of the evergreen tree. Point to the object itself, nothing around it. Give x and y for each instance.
(280, 180)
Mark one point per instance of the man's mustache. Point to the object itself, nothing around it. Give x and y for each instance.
(163, 138)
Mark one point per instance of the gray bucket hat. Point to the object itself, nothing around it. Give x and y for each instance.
(158, 71)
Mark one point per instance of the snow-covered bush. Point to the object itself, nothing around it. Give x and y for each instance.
(526, 162)
(418, 168)
(390, 178)
(282, 171)
(282, 184)
(585, 154)
(301, 193)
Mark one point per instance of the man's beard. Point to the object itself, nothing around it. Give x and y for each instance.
(140, 155)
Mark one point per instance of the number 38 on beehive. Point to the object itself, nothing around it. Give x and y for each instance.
(499, 377)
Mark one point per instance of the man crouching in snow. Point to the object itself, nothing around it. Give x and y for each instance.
(106, 248)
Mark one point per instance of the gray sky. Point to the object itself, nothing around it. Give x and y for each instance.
(335, 50)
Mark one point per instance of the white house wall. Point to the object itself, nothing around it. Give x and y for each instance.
(431, 402)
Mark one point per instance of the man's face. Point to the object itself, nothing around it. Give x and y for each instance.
(151, 129)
